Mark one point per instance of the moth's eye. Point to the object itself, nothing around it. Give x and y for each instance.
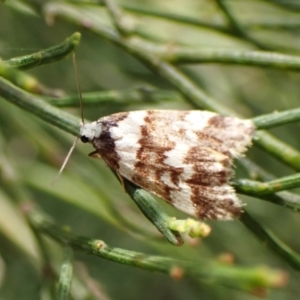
(84, 139)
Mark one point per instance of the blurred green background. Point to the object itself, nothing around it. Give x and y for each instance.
(87, 197)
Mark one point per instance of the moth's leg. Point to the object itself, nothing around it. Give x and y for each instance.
(121, 178)
(95, 154)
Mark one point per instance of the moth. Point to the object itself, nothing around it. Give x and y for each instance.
(183, 157)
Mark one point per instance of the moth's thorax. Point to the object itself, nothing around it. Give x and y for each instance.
(91, 130)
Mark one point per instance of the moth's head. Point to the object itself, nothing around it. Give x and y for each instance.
(90, 131)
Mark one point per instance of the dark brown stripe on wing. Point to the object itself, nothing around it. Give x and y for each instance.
(151, 155)
(208, 206)
(105, 144)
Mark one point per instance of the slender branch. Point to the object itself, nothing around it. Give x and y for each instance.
(288, 5)
(279, 149)
(46, 56)
(251, 187)
(117, 16)
(277, 118)
(26, 81)
(153, 212)
(289, 22)
(286, 199)
(141, 50)
(39, 107)
(174, 17)
(179, 55)
(237, 29)
(143, 94)
(51, 54)
(66, 275)
(248, 279)
(271, 241)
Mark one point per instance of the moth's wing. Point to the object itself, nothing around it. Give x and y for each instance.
(227, 135)
(200, 189)
(184, 157)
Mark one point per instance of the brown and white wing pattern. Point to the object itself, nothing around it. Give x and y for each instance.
(184, 157)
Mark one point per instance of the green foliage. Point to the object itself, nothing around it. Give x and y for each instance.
(233, 57)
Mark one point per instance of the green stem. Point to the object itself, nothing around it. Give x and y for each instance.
(117, 17)
(277, 118)
(240, 278)
(237, 29)
(153, 212)
(286, 199)
(167, 15)
(143, 94)
(268, 22)
(179, 55)
(251, 187)
(46, 56)
(282, 151)
(66, 275)
(39, 107)
(272, 242)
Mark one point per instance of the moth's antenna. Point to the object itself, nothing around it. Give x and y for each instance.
(78, 86)
(65, 161)
(82, 120)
